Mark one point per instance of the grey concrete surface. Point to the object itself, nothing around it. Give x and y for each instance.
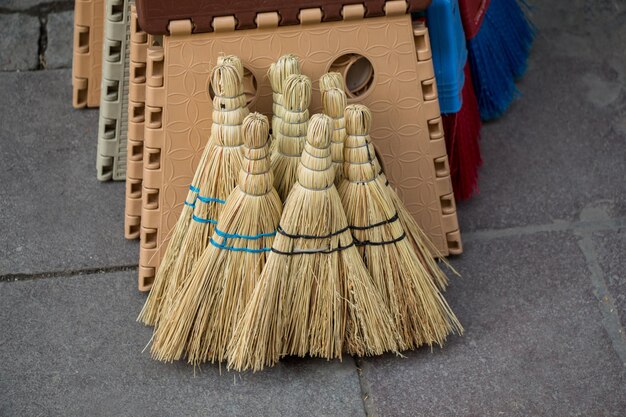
(19, 42)
(611, 250)
(70, 347)
(22, 5)
(542, 297)
(533, 344)
(60, 30)
(55, 215)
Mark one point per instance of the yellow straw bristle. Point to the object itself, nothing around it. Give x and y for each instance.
(215, 177)
(209, 304)
(420, 311)
(315, 296)
(151, 310)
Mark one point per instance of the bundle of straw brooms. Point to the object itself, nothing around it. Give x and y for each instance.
(341, 268)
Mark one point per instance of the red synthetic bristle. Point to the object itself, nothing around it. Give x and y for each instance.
(462, 132)
(449, 129)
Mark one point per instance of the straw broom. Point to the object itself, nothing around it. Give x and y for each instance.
(314, 295)
(279, 71)
(224, 162)
(222, 168)
(291, 134)
(425, 250)
(420, 312)
(209, 303)
(151, 310)
(334, 104)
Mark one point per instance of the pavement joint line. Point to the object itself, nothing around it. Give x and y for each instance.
(606, 303)
(66, 273)
(366, 390)
(557, 226)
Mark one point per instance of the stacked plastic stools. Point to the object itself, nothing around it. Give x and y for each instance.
(100, 77)
(87, 53)
(447, 40)
(113, 125)
(139, 43)
(386, 58)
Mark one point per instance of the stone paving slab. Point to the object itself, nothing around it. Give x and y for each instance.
(534, 342)
(19, 42)
(54, 214)
(70, 347)
(611, 249)
(562, 145)
(60, 29)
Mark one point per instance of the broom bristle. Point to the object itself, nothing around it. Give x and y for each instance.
(220, 169)
(334, 104)
(498, 56)
(425, 250)
(291, 134)
(420, 312)
(315, 295)
(209, 304)
(151, 310)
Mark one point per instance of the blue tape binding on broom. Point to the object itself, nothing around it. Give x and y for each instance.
(201, 220)
(195, 190)
(205, 199)
(499, 55)
(238, 236)
(202, 198)
(210, 200)
(236, 249)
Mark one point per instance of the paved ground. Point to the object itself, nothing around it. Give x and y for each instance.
(542, 298)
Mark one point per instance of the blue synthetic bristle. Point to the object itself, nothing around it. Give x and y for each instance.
(499, 56)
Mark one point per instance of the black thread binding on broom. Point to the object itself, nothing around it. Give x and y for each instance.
(314, 251)
(280, 230)
(381, 243)
(255, 159)
(371, 226)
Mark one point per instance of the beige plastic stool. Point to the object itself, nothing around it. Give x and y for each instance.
(87, 53)
(388, 67)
